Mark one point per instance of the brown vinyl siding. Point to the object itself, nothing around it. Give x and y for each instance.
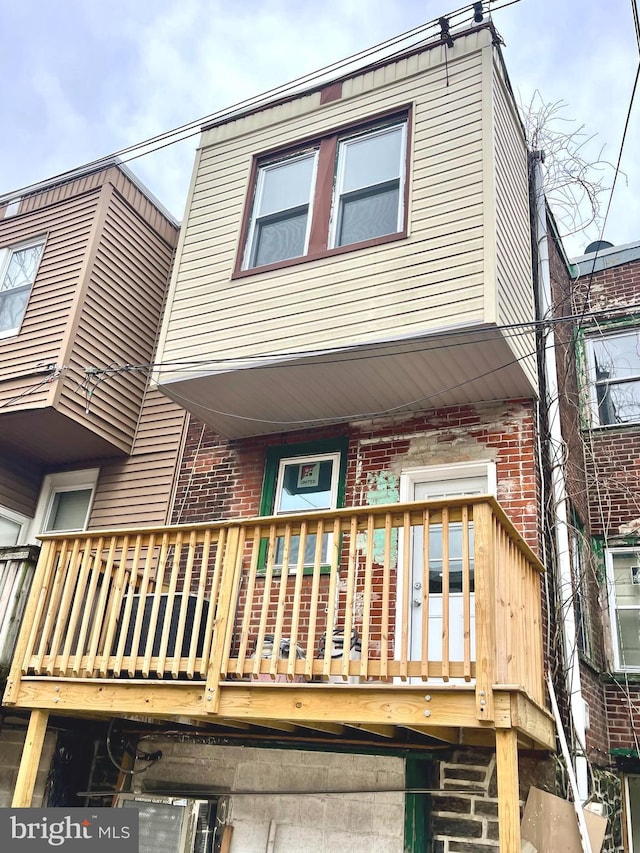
(118, 322)
(66, 227)
(20, 481)
(137, 490)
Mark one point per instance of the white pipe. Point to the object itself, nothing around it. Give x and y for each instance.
(559, 490)
(582, 824)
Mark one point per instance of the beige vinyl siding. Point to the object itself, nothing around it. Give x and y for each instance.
(513, 241)
(66, 228)
(432, 279)
(117, 324)
(19, 485)
(137, 491)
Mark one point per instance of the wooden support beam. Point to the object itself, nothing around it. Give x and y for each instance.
(30, 761)
(448, 734)
(508, 790)
(381, 730)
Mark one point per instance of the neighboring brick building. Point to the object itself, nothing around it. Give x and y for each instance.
(606, 308)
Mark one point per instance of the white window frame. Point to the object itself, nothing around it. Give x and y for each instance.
(18, 518)
(594, 385)
(53, 484)
(618, 664)
(343, 145)
(260, 180)
(627, 811)
(6, 255)
(303, 460)
(455, 471)
(333, 456)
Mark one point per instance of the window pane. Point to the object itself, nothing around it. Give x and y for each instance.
(9, 532)
(634, 807)
(286, 185)
(12, 308)
(279, 239)
(309, 550)
(618, 403)
(368, 215)
(626, 577)
(22, 267)
(617, 356)
(306, 486)
(372, 159)
(69, 510)
(629, 637)
(160, 826)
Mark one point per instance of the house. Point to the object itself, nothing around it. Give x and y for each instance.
(601, 361)
(84, 264)
(338, 638)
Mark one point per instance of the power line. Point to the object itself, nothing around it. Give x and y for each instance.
(298, 86)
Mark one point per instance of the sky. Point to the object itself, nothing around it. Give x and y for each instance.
(83, 79)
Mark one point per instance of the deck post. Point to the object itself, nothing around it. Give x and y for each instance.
(223, 617)
(508, 790)
(485, 604)
(30, 761)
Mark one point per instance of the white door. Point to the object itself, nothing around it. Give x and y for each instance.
(432, 484)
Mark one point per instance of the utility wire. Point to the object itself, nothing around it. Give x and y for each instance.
(296, 87)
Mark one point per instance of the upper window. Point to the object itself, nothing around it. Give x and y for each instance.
(623, 573)
(344, 190)
(303, 479)
(614, 367)
(17, 275)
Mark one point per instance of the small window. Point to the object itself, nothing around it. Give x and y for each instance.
(578, 547)
(614, 368)
(346, 189)
(16, 279)
(632, 811)
(623, 571)
(65, 502)
(12, 528)
(303, 482)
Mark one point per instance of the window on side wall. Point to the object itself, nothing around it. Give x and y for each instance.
(614, 377)
(623, 584)
(579, 567)
(302, 479)
(13, 527)
(65, 502)
(344, 190)
(18, 268)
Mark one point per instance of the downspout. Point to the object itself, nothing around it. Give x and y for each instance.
(577, 705)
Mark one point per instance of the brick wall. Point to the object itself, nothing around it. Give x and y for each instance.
(222, 479)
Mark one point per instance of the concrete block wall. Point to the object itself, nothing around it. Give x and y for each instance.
(304, 823)
(11, 745)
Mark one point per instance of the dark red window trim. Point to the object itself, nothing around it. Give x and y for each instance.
(323, 195)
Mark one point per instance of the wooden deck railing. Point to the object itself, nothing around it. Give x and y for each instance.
(438, 591)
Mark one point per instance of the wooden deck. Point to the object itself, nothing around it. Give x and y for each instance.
(260, 608)
(420, 618)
